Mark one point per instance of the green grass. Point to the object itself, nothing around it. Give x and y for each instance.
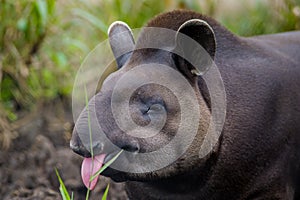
(264, 18)
(62, 188)
(64, 192)
(105, 166)
(90, 134)
(104, 197)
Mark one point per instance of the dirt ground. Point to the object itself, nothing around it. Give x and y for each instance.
(27, 167)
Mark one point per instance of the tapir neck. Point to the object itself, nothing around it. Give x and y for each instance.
(194, 184)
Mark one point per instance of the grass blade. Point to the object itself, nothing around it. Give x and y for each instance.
(104, 197)
(94, 20)
(62, 188)
(105, 166)
(90, 134)
(41, 7)
(89, 121)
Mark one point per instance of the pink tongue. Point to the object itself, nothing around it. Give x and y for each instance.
(88, 170)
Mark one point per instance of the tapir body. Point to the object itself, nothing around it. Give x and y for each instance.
(258, 153)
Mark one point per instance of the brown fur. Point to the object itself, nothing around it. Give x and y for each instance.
(258, 153)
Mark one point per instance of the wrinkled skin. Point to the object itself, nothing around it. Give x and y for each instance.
(257, 156)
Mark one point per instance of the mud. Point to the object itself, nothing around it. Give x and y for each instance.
(27, 167)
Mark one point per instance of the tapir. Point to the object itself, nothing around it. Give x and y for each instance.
(257, 154)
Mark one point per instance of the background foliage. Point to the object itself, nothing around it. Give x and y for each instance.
(42, 42)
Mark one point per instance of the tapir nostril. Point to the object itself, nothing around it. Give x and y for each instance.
(79, 149)
(77, 146)
(131, 147)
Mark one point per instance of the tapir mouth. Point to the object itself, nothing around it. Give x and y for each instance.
(91, 165)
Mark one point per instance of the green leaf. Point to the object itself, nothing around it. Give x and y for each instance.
(22, 24)
(105, 166)
(94, 20)
(11, 116)
(42, 9)
(104, 197)
(60, 59)
(77, 44)
(62, 188)
(51, 6)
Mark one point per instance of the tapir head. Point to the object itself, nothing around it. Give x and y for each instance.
(151, 107)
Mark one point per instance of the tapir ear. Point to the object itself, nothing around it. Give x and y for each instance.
(199, 47)
(121, 41)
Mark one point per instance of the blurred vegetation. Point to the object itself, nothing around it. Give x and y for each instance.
(42, 42)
